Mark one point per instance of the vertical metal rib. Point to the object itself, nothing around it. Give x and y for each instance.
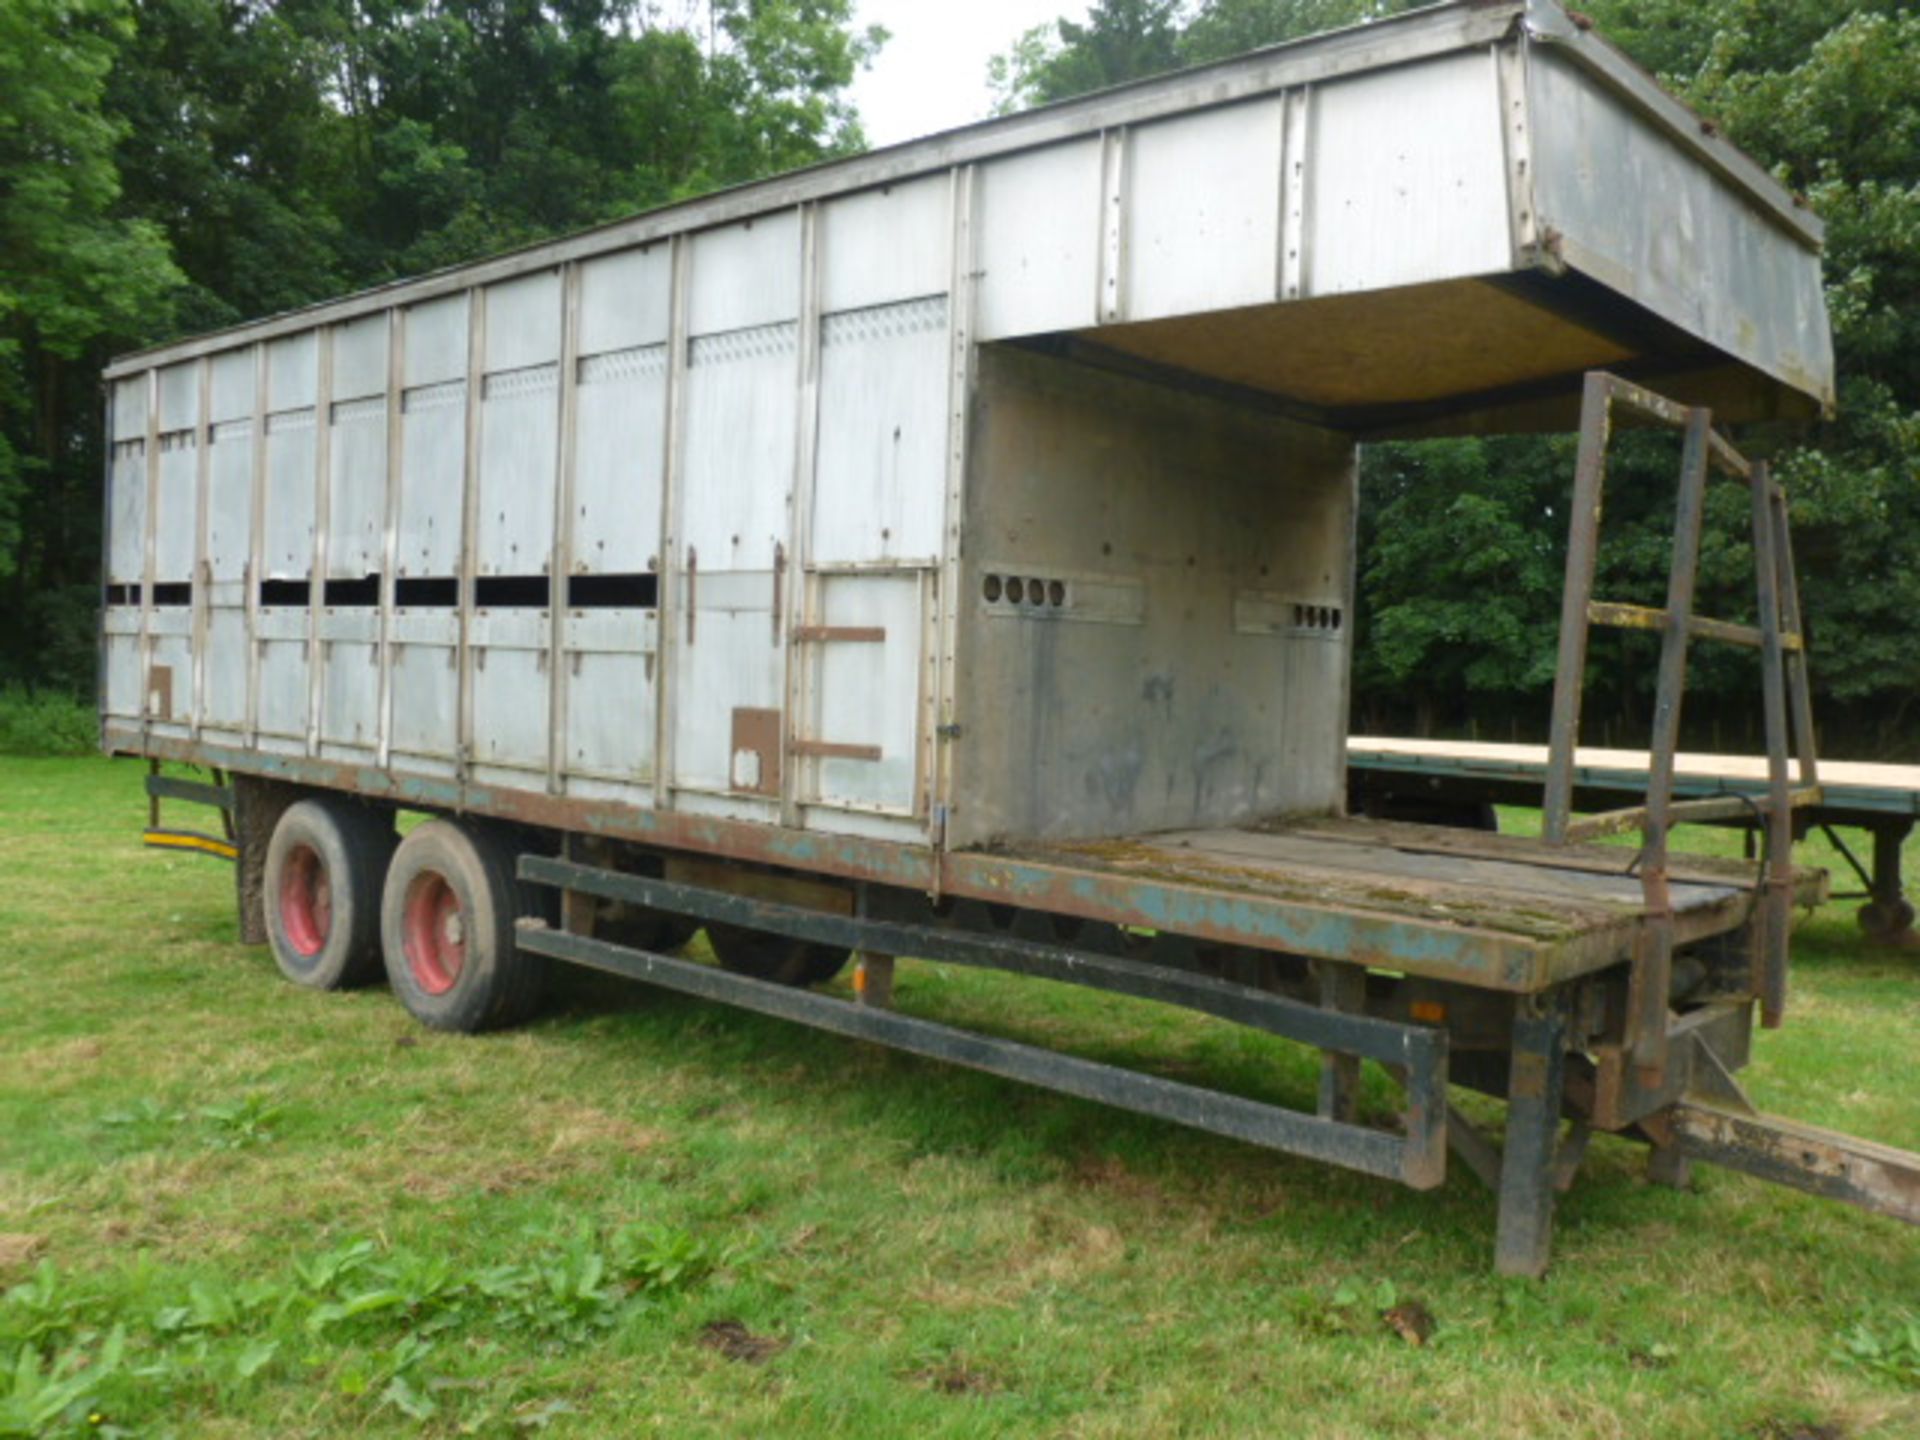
(1653, 970)
(1779, 899)
(1583, 541)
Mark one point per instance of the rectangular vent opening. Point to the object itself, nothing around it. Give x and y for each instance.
(511, 592)
(179, 592)
(123, 594)
(364, 592)
(285, 592)
(426, 593)
(613, 592)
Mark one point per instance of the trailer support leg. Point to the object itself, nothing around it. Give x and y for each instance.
(1668, 1166)
(1342, 987)
(1887, 917)
(257, 808)
(1524, 1235)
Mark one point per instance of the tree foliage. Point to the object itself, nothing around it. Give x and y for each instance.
(170, 166)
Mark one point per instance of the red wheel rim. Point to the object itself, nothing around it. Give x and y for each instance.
(434, 933)
(306, 901)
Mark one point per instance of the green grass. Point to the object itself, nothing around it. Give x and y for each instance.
(231, 1207)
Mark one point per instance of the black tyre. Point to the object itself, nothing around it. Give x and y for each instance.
(326, 865)
(779, 958)
(643, 929)
(447, 929)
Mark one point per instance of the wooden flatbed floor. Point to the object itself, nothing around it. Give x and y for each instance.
(1508, 912)
(1883, 800)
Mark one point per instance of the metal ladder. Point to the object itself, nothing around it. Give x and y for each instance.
(1783, 668)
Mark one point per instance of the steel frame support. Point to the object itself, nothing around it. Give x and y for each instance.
(1416, 1158)
(1529, 1165)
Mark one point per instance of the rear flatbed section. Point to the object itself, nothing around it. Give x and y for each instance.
(1503, 912)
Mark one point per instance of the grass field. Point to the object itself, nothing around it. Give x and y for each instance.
(230, 1207)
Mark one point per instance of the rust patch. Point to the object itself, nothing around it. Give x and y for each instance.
(160, 692)
(755, 753)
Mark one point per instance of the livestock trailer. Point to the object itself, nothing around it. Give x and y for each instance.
(948, 552)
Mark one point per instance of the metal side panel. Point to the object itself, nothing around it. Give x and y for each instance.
(1406, 178)
(860, 740)
(879, 488)
(176, 509)
(357, 452)
(293, 373)
(737, 476)
(360, 357)
(288, 538)
(625, 300)
(124, 698)
(127, 501)
(225, 698)
(230, 492)
(519, 427)
(1129, 653)
(745, 275)
(1039, 229)
(619, 459)
(1201, 195)
(887, 245)
(728, 676)
(349, 656)
(1637, 211)
(283, 672)
(424, 683)
(433, 450)
(523, 322)
(611, 693)
(436, 347)
(356, 513)
(510, 688)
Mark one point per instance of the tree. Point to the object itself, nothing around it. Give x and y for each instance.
(1120, 40)
(74, 274)
(182, 165)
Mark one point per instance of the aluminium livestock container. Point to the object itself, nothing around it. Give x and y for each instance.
(952, 521)
(993, 486)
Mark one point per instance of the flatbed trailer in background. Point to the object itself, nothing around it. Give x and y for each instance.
(947, 552)
(1452, 781)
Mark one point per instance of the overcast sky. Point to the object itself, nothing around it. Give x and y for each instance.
(932, 75)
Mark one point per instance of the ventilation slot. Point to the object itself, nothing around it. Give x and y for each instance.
(362, 593)
(613, 592)
(284, 592)
(511, 592)
(426, 594)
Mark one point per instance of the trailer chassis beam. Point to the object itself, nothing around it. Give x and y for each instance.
(1416, 1158)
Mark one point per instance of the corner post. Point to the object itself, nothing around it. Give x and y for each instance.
(1535, 1085)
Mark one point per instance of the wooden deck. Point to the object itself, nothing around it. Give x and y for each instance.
(1535, 914)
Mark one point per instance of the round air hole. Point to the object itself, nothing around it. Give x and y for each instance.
(1336, 619)
(1056, 593)
(1037, 591)
(1016, 589)
(990, 587)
